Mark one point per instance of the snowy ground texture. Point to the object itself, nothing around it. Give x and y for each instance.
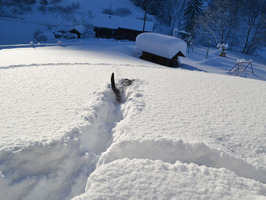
(194, 132)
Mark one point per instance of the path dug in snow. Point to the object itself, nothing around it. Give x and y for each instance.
(179, 133)
(156, 154)
(55, 167)
(58, 168)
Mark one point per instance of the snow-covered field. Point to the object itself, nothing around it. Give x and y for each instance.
(194, 132)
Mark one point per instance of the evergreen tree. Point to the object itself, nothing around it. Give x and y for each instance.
(192, 10)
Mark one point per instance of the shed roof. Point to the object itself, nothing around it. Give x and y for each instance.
(80, 28)
(161, 45)
(115, 22)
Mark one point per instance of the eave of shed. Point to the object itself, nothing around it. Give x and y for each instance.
(80, 28)
(161, 45)
(115, 22)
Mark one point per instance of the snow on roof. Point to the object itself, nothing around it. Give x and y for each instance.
(80, 28)
(115, 22)
(175, 31)
(161, 45)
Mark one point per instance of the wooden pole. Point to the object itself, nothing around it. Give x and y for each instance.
(146, 5)
(208, 49)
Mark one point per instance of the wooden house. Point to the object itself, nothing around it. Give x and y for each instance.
(161, 49)
(120, 28)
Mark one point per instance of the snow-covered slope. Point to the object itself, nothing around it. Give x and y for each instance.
(179, 133)
(21, 28)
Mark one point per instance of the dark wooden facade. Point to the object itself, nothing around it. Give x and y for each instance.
(74, 31)
(119, 34)
(173, 62)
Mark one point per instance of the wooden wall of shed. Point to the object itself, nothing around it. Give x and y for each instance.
(74, 31)
(122, 34)
(119, 34)
(104, 32)
(160, 60)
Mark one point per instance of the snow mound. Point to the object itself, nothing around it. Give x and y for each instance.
(147, 179)
(172, 151)
(53, 171)
(161, 45)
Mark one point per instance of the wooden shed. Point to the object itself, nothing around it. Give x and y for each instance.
(120, 28)
(78, 30)
(161, 49)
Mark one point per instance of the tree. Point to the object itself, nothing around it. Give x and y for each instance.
(171, 12)
(219, 19)
(252, 32)
(43, 5)
(191, 12)
(1, 6)
(44, 2)
(153, 7)
(150, 6)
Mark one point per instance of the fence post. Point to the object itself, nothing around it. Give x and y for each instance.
(208, 49)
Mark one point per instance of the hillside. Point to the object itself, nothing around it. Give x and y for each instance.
(24, 26)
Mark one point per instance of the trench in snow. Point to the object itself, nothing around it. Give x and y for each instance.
(59, 170)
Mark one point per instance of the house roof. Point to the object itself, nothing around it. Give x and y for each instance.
(115, 22)
(161, 45)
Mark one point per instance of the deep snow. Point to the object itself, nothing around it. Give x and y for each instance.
(194, 132)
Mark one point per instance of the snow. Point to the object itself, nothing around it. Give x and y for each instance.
(97, 7)
(222, 46)
(194, 132)
(115, 22)
(176, 31)
(81, 28)
(161, 45)
(147, 179)
(17, 32)
(20, 28)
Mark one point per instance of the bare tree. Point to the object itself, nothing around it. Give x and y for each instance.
(253, 25)
(169, 12)
(150, 6)
(218, 20)
(172, 12)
